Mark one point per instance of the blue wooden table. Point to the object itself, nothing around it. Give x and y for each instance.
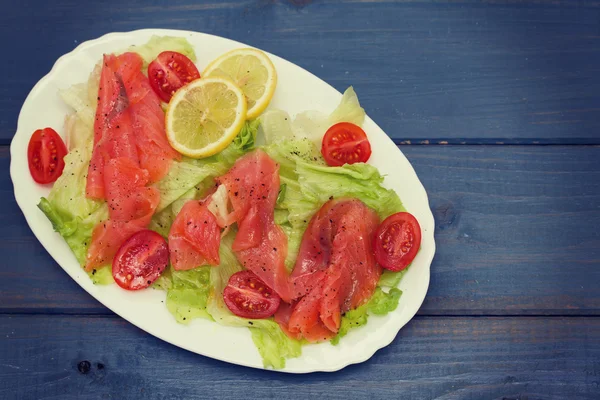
(497, 106)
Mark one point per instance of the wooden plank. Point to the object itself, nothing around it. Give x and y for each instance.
(510, 71)
(517, 233)
(441, 358)
(516, 228)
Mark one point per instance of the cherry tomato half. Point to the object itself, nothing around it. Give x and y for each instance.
(397, 241)
(140, 260)
(170, 71)
(345, 143)
(45, 154)
(249, 297)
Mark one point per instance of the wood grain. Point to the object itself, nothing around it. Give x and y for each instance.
(427, 71)
(431, 358)
(517, 232)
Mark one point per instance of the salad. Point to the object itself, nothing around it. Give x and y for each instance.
(186, 182)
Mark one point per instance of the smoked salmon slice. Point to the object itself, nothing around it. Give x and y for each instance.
(130, 207)
(260, 245)
(194, 237)
(148, 118)
(130, 151)
(335, 270)
(113, 129)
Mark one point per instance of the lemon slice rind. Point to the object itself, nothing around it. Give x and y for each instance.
(260, 104)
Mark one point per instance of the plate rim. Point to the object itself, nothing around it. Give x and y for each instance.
(19, 194)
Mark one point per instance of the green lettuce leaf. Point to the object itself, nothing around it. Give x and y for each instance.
(75, 229)
(380, 303)
(182, 177)
(352, 319)
(349, 109)
(102, 276)
(244, 141)
(281, 194)
(158, 44)
(79, 126)
(272, 343)
(390, 278)
(361, 181)
(277, 125)
(68, 192)
(187, 292)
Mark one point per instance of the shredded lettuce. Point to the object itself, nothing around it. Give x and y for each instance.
(158, 44)
(349, 109)
(390, 278)
(352, 319)
(74, 226)
(76, 231)
(182, 177)
(278, 126)
(244, 141)
(380, 303)
(272, 343)
(281, 194)
(102, 276)
(68, 193)
(361, 181)
(79, 126)
(187, 292)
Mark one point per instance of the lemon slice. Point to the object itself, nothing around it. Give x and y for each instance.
(252, 71)
(204, 116)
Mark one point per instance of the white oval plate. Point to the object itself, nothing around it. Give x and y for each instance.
(297, 91)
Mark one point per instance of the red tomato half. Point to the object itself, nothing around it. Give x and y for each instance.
(345, 143)
(45, 155)
(397, 241)
(249, 297)
(140, 260)
(170, 71)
